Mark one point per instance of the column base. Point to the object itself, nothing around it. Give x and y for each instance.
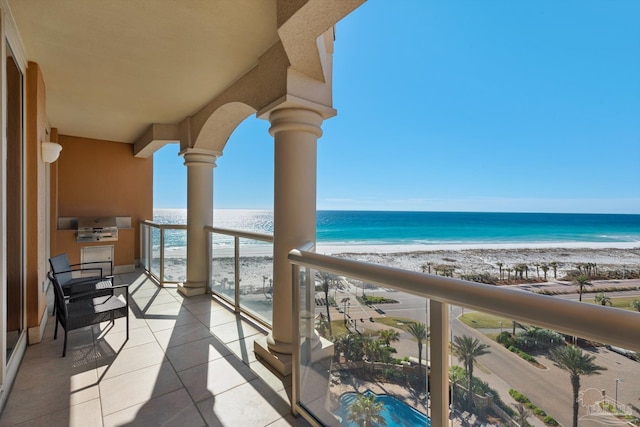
(192, 289)
(281, 362)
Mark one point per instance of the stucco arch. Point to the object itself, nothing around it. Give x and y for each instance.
(216, 131)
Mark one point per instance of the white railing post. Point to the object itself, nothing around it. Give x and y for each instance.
(295, 354)
(439, 381)
(161, 256)
(236, 264)
(209, 257)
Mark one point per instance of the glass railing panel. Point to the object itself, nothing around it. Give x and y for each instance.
(361, 350)
(523, 373)
(144, 246)
(223, 276)
(175, 255)
(154, 268)
(256, 278)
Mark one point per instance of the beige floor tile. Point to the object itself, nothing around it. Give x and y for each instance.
(236, 330)
(159, 320)
(208, 380)
(110, 343)
(125, 391)
(130, 359)
(81, 415)
(172, 409)
(215, 317)
(290, 420)
(259, 406)
(182, 335)
(172, 308)
(243, 349)
(270, 377)
(58, 387)
(198, 299)
(145, 301)
(196, 353)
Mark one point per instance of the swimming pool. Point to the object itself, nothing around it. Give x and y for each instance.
(396, 413)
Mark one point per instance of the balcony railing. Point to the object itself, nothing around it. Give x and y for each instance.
(326, 375)
(331, 369)
(240, 271)
(163, 251)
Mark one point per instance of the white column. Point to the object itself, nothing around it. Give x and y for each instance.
(200, 164)
(295, 132)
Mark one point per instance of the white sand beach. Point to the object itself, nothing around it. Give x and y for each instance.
(476, 259)
(465, 259)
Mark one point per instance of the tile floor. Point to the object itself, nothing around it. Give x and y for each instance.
(188, 362)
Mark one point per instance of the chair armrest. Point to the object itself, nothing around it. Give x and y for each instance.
(95, 291)
(80, 269)
(80, 264)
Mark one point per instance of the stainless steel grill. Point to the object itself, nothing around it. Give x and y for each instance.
(97, 229)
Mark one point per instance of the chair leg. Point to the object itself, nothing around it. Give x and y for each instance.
(127, 324)
(64, 349)
(55, 331)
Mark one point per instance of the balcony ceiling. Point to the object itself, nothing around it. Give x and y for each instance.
(111, 68)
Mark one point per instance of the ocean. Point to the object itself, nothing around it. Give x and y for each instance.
(433, 229)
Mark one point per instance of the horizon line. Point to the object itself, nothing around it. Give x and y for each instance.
(421, 211)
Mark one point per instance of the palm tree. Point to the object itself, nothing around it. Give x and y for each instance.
(573, 360)
(582, 281)
(419, 332)
(468, 349)
(544, 268)
(426, 268)
(635, 304)
(602, 299)
(327, 279)
(366, 412)
(522, 415)
(389, 335)
(554, 265)
(500, 264)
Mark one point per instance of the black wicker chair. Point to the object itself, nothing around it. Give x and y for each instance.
(88, 308)
(63, 272)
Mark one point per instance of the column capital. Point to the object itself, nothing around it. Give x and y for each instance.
(200, 157)
(295, 119)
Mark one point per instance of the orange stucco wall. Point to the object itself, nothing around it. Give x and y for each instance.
(101, 178)
(35, 193)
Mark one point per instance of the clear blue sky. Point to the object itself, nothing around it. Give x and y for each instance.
(514, 106)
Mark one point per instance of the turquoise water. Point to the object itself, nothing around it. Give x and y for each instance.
(396, 413)
(433, 228)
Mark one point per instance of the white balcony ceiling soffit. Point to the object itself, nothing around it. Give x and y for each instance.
(111, 68)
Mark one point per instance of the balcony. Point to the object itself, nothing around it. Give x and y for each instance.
(190, 360)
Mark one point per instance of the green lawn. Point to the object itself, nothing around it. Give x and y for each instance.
(617, 302)
(395, 322)
(478, 320)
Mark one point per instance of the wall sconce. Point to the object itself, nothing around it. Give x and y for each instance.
(50, 151)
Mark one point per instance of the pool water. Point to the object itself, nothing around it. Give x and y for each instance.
(395, 412)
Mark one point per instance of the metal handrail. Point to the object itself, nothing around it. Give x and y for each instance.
(244, 234)
(164, 226)
(598, 323)
(595, 322)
